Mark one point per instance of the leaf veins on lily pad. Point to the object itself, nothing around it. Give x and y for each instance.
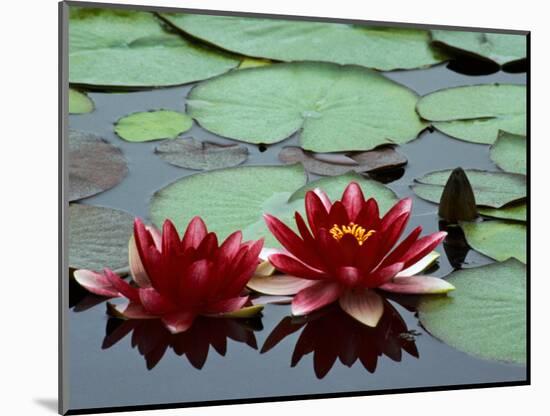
(195, 154)
(328, 164)
(334, 108)
(95, 165)
(486, 315)
(125, 48)
(476, 113)
(491, 189)
(382, 48)
(98, 237)
(509, 152)
(152, 125)
(79, 103)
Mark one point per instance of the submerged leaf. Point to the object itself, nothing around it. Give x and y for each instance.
(476, 113)
(333, 108)
(492, 189)
(98, 237)
(79, 103)
(94, 165)
(194, 154)
(499, 240)
(486, 315)
(509, 152)
(383, 48)
(152, 125)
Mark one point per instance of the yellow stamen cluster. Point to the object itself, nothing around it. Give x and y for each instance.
(355, 230)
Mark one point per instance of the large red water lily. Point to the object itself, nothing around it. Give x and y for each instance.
(346, 252)
(179, 279)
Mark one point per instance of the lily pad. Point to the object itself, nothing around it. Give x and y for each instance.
(496, 47)
(491, 189)
(499, 240)
(486, 315)
(323, 164)
(382, 48)
(190, 153)
(152, 125)
(95, 165)
(476, 113)
(509, 152)
(79, 103)
(333, 108)
(517, 212)
(98, 237)
(124, 48)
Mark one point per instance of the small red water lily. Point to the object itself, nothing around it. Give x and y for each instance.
(180, 279)
(347, 251)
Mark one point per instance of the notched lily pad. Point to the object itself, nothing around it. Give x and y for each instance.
(98, 237)
(496, 47)
(152, 125)
(509, 152)
(95, 165)
(190, 153)
(497, 239)
(338, 164)
(79, 103)
(334, 108)
(476, 113)
(486, 315)
(491, 189)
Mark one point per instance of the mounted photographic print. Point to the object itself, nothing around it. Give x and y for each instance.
(259, 208)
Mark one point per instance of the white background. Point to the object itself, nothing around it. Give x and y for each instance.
(28, 207)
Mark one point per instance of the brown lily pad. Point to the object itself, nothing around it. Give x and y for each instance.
(333, 164)
(95, 165)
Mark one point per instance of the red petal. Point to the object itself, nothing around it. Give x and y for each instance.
(194, 234)
(315, 297)
(369, 216)
(207, 246)
(304, 231)
(129, 310)
(422, 247)
(383, 275)
(154, 303)
(178, 322)
(139, 275)
(194, 286)
(337, 215)
(391, 234)
(418, 285)
(316, 212)
(231, 245)
(245, 269)
(366, 306)
(96, 283)
(226, 305)
(294, 267)
(402, 247)
(349, 276)
(353, 199)
(278, 285)
(325, 200)
(122, 286)
(170, 240)
(149, 255)
(400, 208)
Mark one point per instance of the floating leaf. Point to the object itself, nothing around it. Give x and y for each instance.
(152, 125)
(382, 48)
(509, 152)
(334, 108)
(486, 315)
(476, 113)
(499, 240)
(98, 237)
(320, 164)
(492, 189)
(79, 103)
(517, 212)
(194, 154)
(497, 47)
(254, 62)
(124, 48)
(94, 165)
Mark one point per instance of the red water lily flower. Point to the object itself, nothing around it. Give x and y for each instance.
(347, 251)
(179, 279)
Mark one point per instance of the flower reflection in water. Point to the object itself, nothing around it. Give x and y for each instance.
(332, 334)
(152, 339)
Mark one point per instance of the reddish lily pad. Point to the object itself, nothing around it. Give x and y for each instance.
(95, 165)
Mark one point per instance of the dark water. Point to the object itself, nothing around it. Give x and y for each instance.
(134, 369)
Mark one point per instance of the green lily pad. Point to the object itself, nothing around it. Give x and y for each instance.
(485, 316)
(517, 212)
(333, 108)
(491, 189)
(124, 48)
(79, 103)
(98, 237)
(509, 152)
(382, 48)
(476, 113)
(95, 165)
(152, 125)
(190, 153)
(497, 47)
(497, 239)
